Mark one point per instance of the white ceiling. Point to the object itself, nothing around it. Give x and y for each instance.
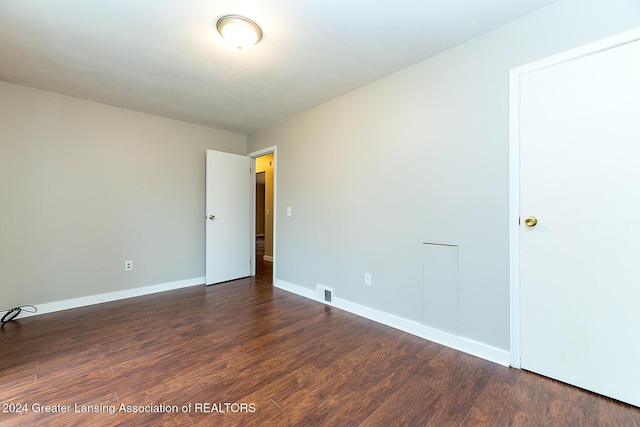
(165, 57)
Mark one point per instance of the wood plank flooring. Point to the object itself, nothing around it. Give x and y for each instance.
(243, 353)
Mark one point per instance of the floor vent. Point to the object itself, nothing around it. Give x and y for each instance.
(324, 293)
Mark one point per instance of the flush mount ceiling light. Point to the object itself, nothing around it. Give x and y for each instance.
(239, 31)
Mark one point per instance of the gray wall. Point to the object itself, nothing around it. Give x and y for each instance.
(85, 187)
(419, 156)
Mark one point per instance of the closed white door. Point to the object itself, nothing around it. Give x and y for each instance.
(580, 264)
(228, 217)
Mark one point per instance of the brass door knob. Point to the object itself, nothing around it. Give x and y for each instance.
(530, 221)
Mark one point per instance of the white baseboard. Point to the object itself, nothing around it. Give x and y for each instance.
(474, 348)
(51, 307)
(296, 289)
(267, 258)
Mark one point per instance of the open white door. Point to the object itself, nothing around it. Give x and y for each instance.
(228, 217)
(579, 134)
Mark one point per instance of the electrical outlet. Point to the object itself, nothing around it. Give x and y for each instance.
(367, 279)
(128, 265)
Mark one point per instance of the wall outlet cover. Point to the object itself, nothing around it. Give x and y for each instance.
(367, 279)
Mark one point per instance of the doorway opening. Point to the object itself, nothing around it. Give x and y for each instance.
(264, 209)
(261, 209)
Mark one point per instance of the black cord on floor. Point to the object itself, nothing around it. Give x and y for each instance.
(14, 312)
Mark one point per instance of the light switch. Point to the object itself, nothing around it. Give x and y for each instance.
(288, 210)
(267, 211)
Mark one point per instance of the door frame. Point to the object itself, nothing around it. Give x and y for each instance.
(253, 156)
(514, 167)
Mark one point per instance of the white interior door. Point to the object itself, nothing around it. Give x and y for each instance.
(228, 217)
(580, 178)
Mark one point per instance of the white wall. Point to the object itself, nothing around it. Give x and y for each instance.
(86, 186)
(419, 156)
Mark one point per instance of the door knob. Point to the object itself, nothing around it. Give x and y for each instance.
(531, 221)
(212, 217)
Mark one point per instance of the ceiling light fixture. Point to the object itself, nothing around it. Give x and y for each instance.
(239, 31)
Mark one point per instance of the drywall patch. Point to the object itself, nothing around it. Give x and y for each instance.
(440, 306)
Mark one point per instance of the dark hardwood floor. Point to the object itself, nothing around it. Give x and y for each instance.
(243, 353)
